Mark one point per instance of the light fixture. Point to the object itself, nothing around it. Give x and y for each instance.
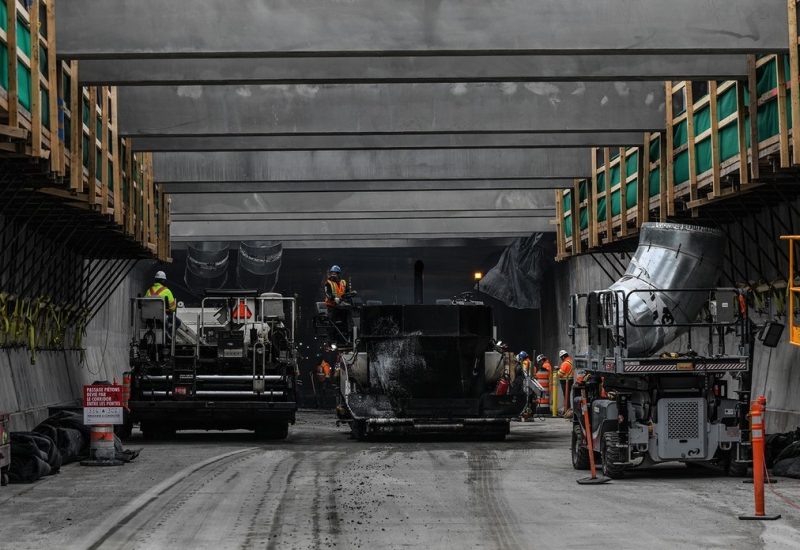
(478, 276)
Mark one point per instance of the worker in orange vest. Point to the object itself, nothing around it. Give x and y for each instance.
(524, 360)
(335, 288)
(566, 372)
(544, 371)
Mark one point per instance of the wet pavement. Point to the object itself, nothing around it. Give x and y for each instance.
(321, 489)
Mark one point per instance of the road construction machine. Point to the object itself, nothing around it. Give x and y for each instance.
(426, 369)
(665, 359)
(229, 364)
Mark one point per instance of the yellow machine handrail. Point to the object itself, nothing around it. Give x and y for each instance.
(792, 289)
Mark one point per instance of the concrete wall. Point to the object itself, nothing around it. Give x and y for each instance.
(57, 378)
(776, 371)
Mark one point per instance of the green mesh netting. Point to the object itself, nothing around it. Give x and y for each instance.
(702, 120)
(601, 209)
(601, 182)
(584, 219)
(615, 209)
(679, 134)
(680, 168)
(568, 226)
(43, 63)
(632, 164)
(85, 151)
(85, 110)
(24, 85)
(23, 37)
(767, 77)
(98, 167)
(45, 106)
(583, 190)
(655, 150)
(99, 128)
(567, 202)
(632, 194)
(729, 141)
(614, 153)
(655, 182)
(726, 103)
(110, 176)
(614, 175)
(3, 15)
(702, 156)
(4, 66)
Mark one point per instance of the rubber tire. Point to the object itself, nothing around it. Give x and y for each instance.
(4, 478)
(580, 454)
(358, 430)
(610, 453)
(273, 432)
(736, 469)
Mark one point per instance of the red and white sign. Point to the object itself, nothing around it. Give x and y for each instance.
(102, 404)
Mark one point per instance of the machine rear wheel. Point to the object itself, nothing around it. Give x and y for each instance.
(273, 432)
(580, 453)
(4, 477)
(611, 454)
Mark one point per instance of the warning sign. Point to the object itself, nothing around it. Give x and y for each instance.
(102, 404)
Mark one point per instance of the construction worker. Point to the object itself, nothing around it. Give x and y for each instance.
(544, 372)
(518, 384)
(323, 382)
(159, 288)
(524, 360)
(565, 374)
(335, 289)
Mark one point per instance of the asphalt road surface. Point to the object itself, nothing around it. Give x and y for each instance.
(320, 489)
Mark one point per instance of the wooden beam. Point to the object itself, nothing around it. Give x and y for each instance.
(643, 196)
(623, 190)
(690, 140)
(609, 221)
(13, 79)
(741, 114)
(794, 77)
(150, 184)
(752, 85)
(716, 183)
(594, 229)
(130, 224)
(92, 145)
(576, 217)
(783, 115)
(57, 160)
(115, 145)
(76, 131)
(104, 150)
(36, 98)
(668, 164)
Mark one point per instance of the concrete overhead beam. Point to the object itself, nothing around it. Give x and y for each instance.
(329, 166)
(367, 241)
(363, 203)
(338, 187)
(372, 69)
(153, 28)
(538, 107)
(332, 228)
(385, 141)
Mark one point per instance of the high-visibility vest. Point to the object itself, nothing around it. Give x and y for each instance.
(241, 311)
(163, 292)
(526, 366)
(543, 377)
(566, 370)
(338, 290)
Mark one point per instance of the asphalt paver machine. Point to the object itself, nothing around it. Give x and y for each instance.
(229, 364)
(665, 359)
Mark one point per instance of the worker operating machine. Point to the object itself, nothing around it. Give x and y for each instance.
(229, 364)
(426, 369)
(666, 359)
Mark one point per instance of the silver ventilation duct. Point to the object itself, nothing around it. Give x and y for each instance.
(206, 265)
(670, 256)
(259, 264)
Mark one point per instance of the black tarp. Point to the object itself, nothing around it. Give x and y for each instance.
(517, 278)
(783, 453)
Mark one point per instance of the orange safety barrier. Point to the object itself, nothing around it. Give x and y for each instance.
(126, 389)
(543, 377)
(757, 410)
(587, 424)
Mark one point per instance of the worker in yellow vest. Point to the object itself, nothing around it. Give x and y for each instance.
(159, 289)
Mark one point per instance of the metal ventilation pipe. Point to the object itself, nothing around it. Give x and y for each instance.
(259, 264)
(206, 265)
(669, 256)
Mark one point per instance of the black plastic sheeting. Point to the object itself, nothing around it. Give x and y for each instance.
(783, 454)
(516, 280)
(61, 439)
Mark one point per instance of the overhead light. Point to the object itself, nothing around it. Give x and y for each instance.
(478, 275)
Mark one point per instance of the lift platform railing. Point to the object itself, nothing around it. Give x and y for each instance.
(793, 289)
(609, 322)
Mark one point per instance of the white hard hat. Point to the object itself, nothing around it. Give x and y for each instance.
(563, 353)
(540, 358)
(161, 276)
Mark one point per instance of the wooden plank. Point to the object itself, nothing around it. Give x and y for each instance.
(690, 137)
(594, 230)
(116, 168)
(150, 184)
(57, 160)
(130, 223)
(609, 221)
(560, 237)
(76, 131)
(794, 77)
(104, 150)
(92, 145)
(623, 189)
(783, 115)
(716, 183)
(643, 193)
(36, 97)
(13, 79)
(752, 85)
(667, 164)
(576, 217)
(744, 170)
